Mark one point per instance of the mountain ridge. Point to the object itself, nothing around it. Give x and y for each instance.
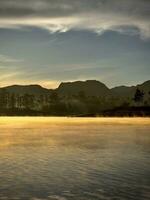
(89, 87)
(128, 91)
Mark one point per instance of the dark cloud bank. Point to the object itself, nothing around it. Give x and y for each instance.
(124, 16)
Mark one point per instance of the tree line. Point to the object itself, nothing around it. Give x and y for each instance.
(53, 104)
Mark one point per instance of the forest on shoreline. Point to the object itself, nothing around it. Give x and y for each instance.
(73, 100)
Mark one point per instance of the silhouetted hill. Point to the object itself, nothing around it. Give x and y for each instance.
(125, 91)
(26, 89)
(145, 87)
(79, 98)
(89, 87)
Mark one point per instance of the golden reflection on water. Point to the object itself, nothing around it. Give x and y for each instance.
(19, 122)
(47, 154)
(64, 130)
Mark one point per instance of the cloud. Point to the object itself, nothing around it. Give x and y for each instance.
(6, 59)
(124, 16)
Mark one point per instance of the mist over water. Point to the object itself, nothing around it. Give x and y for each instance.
(74, 158)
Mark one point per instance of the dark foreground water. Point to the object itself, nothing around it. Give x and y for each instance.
(74, 159)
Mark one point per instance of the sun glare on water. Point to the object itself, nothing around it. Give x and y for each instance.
(19, 122)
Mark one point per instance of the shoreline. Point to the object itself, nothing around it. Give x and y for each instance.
(66, 122)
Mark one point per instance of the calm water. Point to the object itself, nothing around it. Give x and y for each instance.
(74, 159)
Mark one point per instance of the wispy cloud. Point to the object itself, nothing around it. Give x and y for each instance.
(123, 16)
(8, 59)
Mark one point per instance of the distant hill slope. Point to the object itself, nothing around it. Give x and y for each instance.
(26, 89)
(89, 87)
(145, 87)
(125, 91)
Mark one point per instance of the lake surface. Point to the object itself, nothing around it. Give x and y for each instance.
(74, 158)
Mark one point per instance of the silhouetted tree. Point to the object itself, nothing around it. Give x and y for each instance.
(139, 95)
(28, 101)
(3, 99)
(12, 101)
(54, 97)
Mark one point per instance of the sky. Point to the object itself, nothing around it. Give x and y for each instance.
(51, 41)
